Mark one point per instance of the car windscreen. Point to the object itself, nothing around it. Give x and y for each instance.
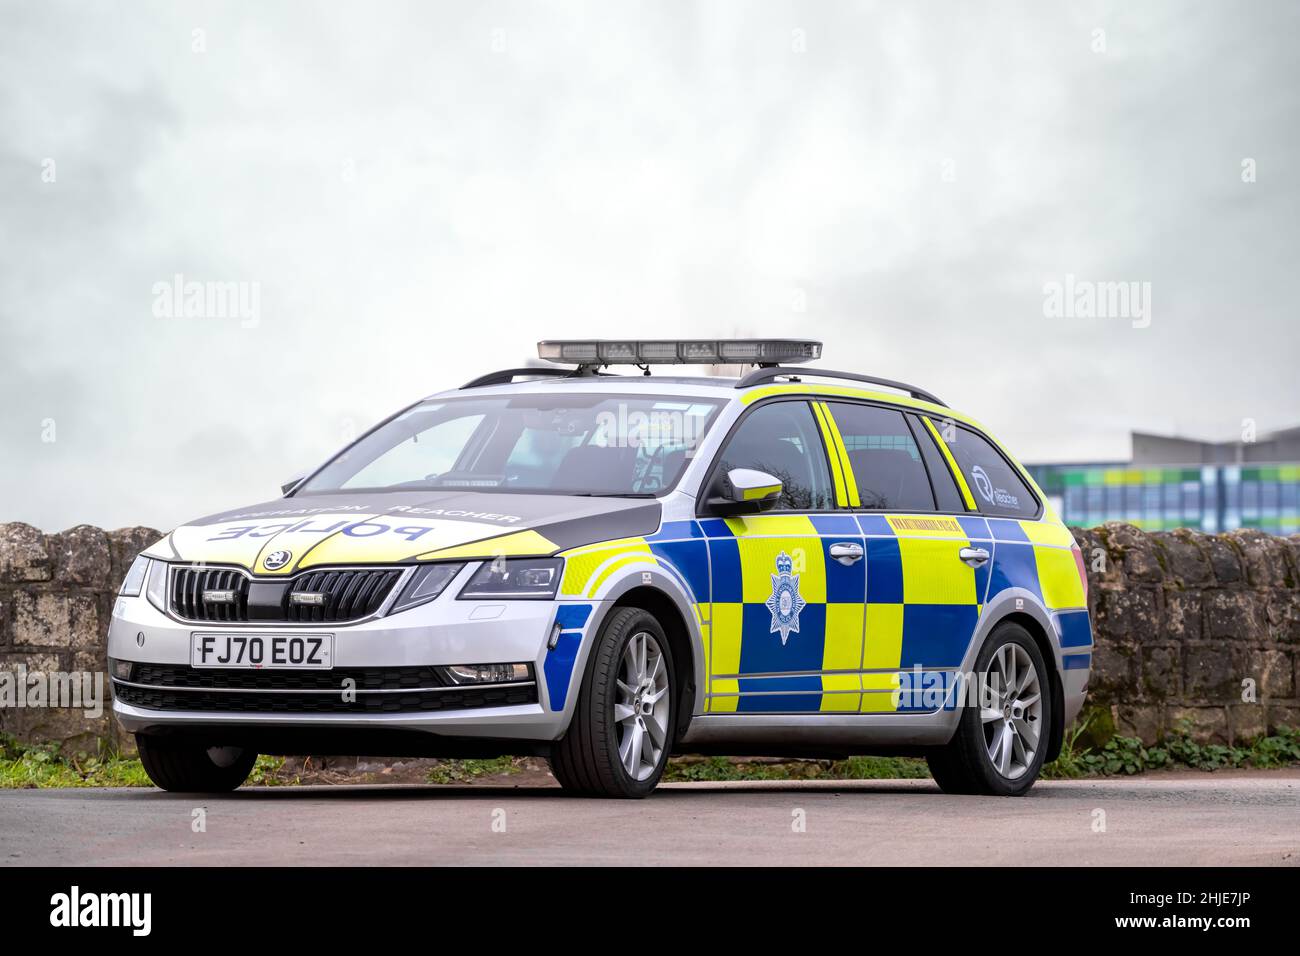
(569, 443)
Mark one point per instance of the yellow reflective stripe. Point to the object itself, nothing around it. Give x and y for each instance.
(850, 481)
(581, 564)
(1058, 577)
(966, 496)
(1048, 532)
(832, 453)
(518, 544)
(812, 388)
(781, 525)
(615, 565)
(753, 494)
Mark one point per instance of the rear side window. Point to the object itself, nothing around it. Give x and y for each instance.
(997, 488)
(885, 458)
(941, 480)
(782, 439)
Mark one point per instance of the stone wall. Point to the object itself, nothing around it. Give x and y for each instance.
(1193, 630)
(56, 596)
(1186, 624)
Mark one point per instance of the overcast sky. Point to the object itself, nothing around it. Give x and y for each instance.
(419, 192)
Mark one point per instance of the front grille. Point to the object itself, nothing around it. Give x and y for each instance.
(347, 594)
(188, 585)
(461, 698)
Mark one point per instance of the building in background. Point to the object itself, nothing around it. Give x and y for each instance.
(1184, 483)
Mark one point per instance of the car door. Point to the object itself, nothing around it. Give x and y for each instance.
(925, 579)
(787, 585)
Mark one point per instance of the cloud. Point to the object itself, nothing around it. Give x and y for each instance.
(421, 192)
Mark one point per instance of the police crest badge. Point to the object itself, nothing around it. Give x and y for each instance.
(785, 602)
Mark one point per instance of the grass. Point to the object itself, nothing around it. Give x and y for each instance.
(463, 771)
(851, 768)
(26, 766)
(266, 773)
(45, 765)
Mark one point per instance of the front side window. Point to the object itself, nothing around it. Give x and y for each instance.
(886, 461)
(562, 443)
(997, 488)
(782, 439)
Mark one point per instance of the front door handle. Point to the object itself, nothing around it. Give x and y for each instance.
(973, 556)
(846, 552)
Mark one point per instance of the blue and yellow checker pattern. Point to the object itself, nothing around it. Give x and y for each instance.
(872, 634)
(752, 666)
(909, 603)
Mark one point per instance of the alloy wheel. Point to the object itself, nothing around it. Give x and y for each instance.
(641, 713)
(1012, 713)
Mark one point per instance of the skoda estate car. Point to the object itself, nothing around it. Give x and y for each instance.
(609, 569)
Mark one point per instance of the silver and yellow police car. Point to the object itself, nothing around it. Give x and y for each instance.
(608, 569)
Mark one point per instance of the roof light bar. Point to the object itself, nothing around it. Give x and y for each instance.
(675, 352)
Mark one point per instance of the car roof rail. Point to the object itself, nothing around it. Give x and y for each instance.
(508, 375)
(760, 375)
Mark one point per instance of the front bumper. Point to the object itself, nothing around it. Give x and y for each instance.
(443, 632)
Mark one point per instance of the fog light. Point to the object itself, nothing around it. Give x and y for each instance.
(120, 669)
(488, 673)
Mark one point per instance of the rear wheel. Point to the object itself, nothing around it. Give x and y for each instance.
(619, 739)
(1000, 744)
(186, 766)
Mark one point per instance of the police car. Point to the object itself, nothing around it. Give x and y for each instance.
(609, 569)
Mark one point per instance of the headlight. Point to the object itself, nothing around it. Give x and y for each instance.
(426, 583)
(133, 583)
(526, 578)
(156, 591)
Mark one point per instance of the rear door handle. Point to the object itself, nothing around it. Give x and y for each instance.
(973, 556)
(845, 552)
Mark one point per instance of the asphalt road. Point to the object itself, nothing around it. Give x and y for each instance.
(1172, 819)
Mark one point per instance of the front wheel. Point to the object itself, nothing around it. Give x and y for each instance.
(1001, 740)
(186, 766)
(618, 741)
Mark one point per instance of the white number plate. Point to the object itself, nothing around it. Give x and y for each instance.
(304, 651)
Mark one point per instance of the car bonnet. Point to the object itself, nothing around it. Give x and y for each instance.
(286, 535)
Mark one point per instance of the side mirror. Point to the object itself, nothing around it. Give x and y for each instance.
(743, 491)
(292, 483)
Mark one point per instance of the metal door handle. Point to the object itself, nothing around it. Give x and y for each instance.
(845, 552)
(973, 556)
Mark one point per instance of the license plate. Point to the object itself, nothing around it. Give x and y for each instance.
(303, 651)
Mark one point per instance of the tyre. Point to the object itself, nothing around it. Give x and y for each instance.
(999, 746)
(187, 766)
(619, 739)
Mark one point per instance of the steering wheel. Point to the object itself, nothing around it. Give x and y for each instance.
(647, 479)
